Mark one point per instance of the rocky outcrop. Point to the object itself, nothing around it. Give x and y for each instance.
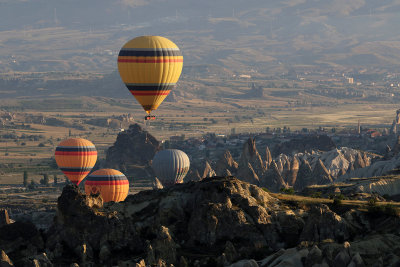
(251, 155)
(377, 168)
(320, 174)
(359, 162)
(207, 171)
(159, 223)
(124, 156)
(219, 221)
(291, 180)
(226, 165)
(351, 254)
(193, 175)
(303, 176)
(247, 174)
(268, 157)
(272, 179)
(21, 240)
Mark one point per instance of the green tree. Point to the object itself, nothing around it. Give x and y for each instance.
(55, 179)
(25, 178)
(32, 185)
(45, 180)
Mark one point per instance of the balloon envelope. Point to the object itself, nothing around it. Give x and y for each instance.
(111, 184)
(171, 166)
(150, 67)
(76, 157)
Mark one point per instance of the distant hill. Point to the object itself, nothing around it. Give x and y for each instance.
(55, 35)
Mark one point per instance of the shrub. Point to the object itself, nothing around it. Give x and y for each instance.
(316, 195)
(289, 191)
(266, 189)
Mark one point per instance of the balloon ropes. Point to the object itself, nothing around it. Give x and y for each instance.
(76, 157)
(171, 166)
(111, 184)
(150, 67)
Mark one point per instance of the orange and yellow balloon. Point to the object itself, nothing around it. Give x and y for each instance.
(150, 67)
(111, 184)
(76, 157)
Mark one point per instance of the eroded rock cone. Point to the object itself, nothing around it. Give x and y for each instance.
(304, 176)
(193, 175)
(293, 171)
(273, 179)
(207, 171)
(248, 174)
(320, 174)
(268, 157)
(226, 163)
(359, 162)
(251, 155)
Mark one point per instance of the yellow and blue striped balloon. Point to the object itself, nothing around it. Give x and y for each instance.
(150, 67)
(76, 157)
(111, 184)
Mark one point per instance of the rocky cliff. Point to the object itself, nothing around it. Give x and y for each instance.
(219, 221)
(132, 152)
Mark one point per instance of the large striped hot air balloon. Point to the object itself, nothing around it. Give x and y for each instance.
(150, 67)
(111, 184)
(171, 166)
(76, 157)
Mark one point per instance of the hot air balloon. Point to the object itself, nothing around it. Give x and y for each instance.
(171, 166)
(76, 157)
(150, 67)
(111, 184)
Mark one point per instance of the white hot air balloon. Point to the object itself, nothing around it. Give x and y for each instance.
(171, 166)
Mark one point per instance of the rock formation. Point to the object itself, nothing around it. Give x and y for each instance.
(219, 221)
(251, 155)
(268, 156)
(272, 179)
(359, 162)
(291, 180)
(207, 171)
(124, 156)
(247, 174)
(303, 176)
(320, 174)
(226, 165)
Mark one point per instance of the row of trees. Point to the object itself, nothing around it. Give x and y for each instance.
(43, 181)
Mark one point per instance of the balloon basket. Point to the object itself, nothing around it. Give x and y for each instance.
(149, 118)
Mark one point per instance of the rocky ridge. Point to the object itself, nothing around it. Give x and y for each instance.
(219, 221)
